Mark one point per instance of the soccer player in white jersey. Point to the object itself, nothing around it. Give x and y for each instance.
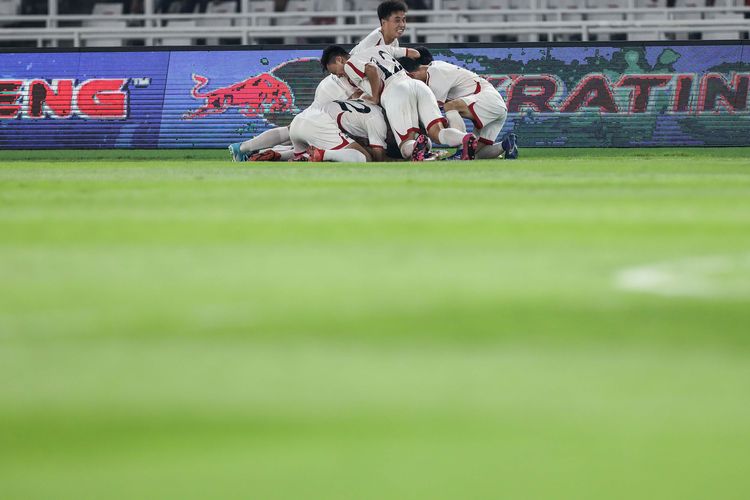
(363, 120)
(407, 102)
(392, 16)
(463, 93)
(316, 132)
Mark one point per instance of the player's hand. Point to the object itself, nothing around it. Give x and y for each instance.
(370, 99)
(413, 53)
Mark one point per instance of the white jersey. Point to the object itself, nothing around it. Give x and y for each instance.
(384, 60)
(374, 39)
(332, 88)
(448, 81)
(358, 118)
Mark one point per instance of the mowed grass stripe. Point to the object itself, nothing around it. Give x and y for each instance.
(188, 328)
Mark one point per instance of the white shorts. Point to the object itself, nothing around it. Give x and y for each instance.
(488, 112)
(315, 128)
(407, 103)
(360, 119)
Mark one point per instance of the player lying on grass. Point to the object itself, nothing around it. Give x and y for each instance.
(392, 17)
(407, 102)
(317, 136)
(464, 94)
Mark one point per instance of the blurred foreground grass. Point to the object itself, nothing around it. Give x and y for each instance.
(191, 328)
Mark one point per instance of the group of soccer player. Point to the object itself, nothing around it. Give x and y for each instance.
(377, 84)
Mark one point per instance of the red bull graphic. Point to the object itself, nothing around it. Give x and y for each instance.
(254, 97)
(94, 99)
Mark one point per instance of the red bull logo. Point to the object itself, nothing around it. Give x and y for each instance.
(95, 99)
(254, 97)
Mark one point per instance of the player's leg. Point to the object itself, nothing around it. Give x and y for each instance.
(429, 114)
(276, 153)
(368, 127)
(326, 142)
(266, 140)
(401, 109)
(297, 134)
(455, 112)
(488, 113)
(240, 151)
(489, 110)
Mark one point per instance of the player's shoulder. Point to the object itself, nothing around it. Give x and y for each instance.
(442, 66)
(371, 40)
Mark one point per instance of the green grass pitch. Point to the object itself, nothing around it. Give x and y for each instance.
(571, 325)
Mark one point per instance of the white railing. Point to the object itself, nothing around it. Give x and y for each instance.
(440, 26)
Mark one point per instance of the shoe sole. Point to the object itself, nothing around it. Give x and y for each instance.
(269, 155)
(469, 149)
(420, 149)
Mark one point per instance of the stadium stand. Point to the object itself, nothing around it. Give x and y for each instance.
(44, 23)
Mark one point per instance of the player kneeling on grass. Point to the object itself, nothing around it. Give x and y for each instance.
(464, 94)
(316, 134)
(407, 102)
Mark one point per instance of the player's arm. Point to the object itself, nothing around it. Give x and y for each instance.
(373, 77)
(412, 53)
(399, 52)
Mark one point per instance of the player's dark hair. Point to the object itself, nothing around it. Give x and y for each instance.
(410, 65)
(425, 56)
(330, 53)
(385, 9)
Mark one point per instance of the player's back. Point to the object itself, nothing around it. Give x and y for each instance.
(330, 89)
(448, 81)
(383, 58)
(374, 39)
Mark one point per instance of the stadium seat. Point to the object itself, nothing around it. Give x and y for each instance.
(566, 10)
(178, 39)
(726, 16)
(522, 18)
(605, 12)
(499, 6)
(369, 6)
(218, 7)
(657, 13)
(684, 16)
(446, 37)
(261, 6)
(9, 8)
(106, 9)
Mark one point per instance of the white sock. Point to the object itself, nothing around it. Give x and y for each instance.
(451, 137)
(407, 148)
(490, 151)
(344, 155)
(267, 139)
(286, 155)
(455, 120)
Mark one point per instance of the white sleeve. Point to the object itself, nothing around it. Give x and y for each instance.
(398, 52)
(356, 75)
(439, 83)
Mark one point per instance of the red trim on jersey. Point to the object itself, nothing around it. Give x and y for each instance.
(403, 137)
(478, 89)
(485, 141)
(344, 144)
(376, 146)
(477, 122)
(359, 73)
(433, 122)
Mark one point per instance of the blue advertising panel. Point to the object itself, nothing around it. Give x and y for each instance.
(584, 95)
